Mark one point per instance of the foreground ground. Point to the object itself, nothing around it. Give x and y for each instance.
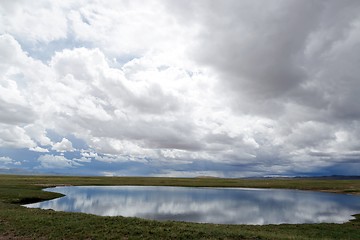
(17, 222)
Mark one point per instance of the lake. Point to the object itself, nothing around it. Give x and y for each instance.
(206, 205)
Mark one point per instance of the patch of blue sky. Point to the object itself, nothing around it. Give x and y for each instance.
(19, 154)
(26, 158)
(45, 51)
(77, 143)
(128, 168)
(119, 61)
(53, 135)
(69, 155)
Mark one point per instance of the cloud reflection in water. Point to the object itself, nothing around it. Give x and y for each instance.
(207, 205)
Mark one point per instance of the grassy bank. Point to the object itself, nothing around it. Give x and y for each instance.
(17, 222)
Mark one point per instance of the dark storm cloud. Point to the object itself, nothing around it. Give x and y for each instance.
(259, 51)
(292, 61)
(271, 52)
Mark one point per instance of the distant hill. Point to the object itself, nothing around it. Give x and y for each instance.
(335, 177)
(206, 177)
(15, 171)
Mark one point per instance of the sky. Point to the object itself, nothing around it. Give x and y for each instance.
(230, 88)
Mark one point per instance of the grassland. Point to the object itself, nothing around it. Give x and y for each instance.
(17, 222)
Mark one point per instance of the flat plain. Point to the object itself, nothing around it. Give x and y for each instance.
(17, 222)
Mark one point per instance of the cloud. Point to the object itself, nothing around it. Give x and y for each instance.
(14, 137)
(55, 161)
(7, 162)
(170, 83)
(39, 134)
(19, 107)
(36, 21)
(269, 59)
(14, 109)
(113, 26)
(39, 149)
(64, 146)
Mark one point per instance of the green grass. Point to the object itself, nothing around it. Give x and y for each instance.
(17, 222)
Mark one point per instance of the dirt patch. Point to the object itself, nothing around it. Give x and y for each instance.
(11, 235)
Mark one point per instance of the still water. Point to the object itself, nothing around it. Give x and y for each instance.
(206, 205)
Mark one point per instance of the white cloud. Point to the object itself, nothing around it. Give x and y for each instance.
(6, 160)
(127, 28)
(14, 108)
(88, 154)
(14, 137)
(83, 159)
(191, 174)
(39, 134)
(39, 149)
(54, 161)
(38, 21)
(64, 146)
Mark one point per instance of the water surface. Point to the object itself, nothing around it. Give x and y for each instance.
(206, 205)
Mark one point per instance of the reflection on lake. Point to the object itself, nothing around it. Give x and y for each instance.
(210, 205)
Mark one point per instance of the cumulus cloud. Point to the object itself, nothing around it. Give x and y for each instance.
(39, 149)
(14, 108)
(171, 83)
(35, 21)
(115, 25)
(7, 162)
(64, 146)
(14, 137)
(55, 161)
